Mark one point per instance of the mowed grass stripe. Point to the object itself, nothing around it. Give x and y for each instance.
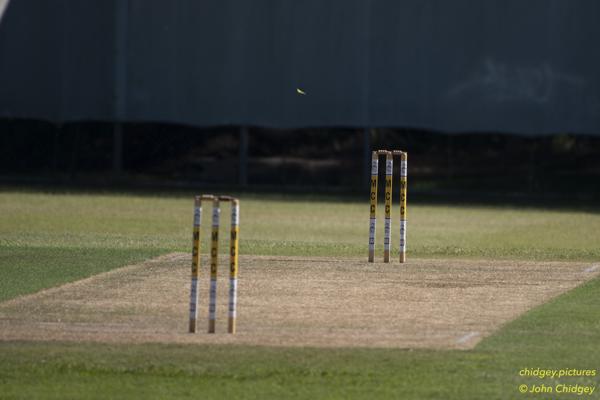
(566, 328)
(30, 269)
(561, 334)
(296, 226)
(36, 226)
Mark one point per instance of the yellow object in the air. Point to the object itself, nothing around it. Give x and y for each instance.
(300, 91)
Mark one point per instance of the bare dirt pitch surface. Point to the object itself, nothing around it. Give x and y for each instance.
(292, 301)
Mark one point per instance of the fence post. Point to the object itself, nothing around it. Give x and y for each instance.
(243, 156)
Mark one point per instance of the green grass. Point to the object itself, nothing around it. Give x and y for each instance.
(29, 269)
(573, 318)
(564, 333)
(47, 239)
(290, 226)
(221, 372)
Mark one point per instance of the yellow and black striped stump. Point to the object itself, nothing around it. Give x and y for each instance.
(387, 229)
(403, 210)
(233, 264)
(373, 219)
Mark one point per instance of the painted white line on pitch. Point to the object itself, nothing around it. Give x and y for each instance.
(467, 337)
(593, 268)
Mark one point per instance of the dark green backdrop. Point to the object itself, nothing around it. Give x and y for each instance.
(498, 65)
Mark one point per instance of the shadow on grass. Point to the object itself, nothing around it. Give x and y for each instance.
(470, 197)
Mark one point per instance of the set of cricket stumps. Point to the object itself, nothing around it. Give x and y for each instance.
(389, 175)
(214, 261)
(235, 227)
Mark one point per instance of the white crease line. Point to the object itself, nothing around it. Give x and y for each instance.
(467, 337)
(593, 268)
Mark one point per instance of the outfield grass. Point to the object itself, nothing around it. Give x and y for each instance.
(47, 239)
(288, 226)
(564, 333)
(28, 269)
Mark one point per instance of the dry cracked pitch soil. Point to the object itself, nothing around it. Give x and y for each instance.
(294, 301)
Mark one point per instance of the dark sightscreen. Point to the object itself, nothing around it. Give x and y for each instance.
(505, 66)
